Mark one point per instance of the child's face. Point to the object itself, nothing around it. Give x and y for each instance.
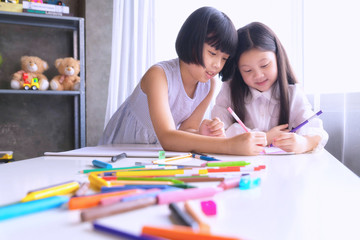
(258, 68)
(214, 61)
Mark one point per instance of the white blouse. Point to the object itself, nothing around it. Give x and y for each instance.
(262, 112)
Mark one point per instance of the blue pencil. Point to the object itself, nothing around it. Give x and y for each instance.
(101, 164)
(144, 195)
(306, 121)
(122, 234)
(206, 158)
(19, 209)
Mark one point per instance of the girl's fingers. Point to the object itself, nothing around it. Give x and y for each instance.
(260, 138)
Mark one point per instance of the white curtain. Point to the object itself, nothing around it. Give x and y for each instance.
(132, 49)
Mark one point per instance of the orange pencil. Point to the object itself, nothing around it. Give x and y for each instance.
(203, 227)
(182, 232)
(94, 200)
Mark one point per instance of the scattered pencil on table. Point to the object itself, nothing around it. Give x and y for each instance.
(181, 232)
(120, 207)
(61, 189)
(118, 157)
(173, 158)
(203, 157)
(192, 207)
(119, 233)
(128, 188)
(24, 208)
(101, 164)
(84, 187)
(183, 217)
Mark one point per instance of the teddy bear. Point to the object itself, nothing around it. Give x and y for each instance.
(32, 67)
(69, 68)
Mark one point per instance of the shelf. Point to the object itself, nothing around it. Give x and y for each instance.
(37, 92)
(48, 37)
(40, 20)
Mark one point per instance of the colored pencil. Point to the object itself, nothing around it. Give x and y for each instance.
(101, 164)
(97, 182)
(94, 200)
(119, 233)
(227, 163)
(187, 194)
(183, 217)
(237, 119)
(23, 208)
(182, 232)
(63, 189)
(109, 170)
(196, 215)
(173, 158)
(104, 211)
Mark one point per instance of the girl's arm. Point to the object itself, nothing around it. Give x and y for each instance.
(192, 124)
(154, 85)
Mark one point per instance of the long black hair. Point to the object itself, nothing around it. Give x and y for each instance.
(258, 35)
(205, 25)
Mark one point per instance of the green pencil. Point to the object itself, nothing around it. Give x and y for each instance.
(227, 164)
(109, 169)
(175, 181)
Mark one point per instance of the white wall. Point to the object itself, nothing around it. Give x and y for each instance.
(283, 16)
(331, 46)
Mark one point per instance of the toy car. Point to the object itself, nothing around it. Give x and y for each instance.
(6, 156)
(34, 84)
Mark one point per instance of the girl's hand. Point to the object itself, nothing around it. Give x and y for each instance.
(249, 144)
(291, 142)
(275, 132)
(214, 127)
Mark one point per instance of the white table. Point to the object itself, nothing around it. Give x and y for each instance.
(307, 196)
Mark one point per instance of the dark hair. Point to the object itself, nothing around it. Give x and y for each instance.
(205, 25)
(259, 36)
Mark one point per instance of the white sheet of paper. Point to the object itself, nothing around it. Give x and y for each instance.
(141, 151)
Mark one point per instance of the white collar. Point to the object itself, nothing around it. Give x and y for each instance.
(267, 95)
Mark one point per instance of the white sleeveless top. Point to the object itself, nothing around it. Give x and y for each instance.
(131, 123)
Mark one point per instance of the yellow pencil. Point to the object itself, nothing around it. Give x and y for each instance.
(150, 173)
(173, 158)
(129, 182)
(52, 191)
(98, 182)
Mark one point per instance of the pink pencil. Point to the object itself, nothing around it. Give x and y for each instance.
(230, 183)
(237, 119)
(187, 194)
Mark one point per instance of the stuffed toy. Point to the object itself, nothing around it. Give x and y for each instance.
(31, 70)
(68, 79)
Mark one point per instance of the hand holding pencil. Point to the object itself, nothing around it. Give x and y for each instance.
(292, 142)
(252, 142)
